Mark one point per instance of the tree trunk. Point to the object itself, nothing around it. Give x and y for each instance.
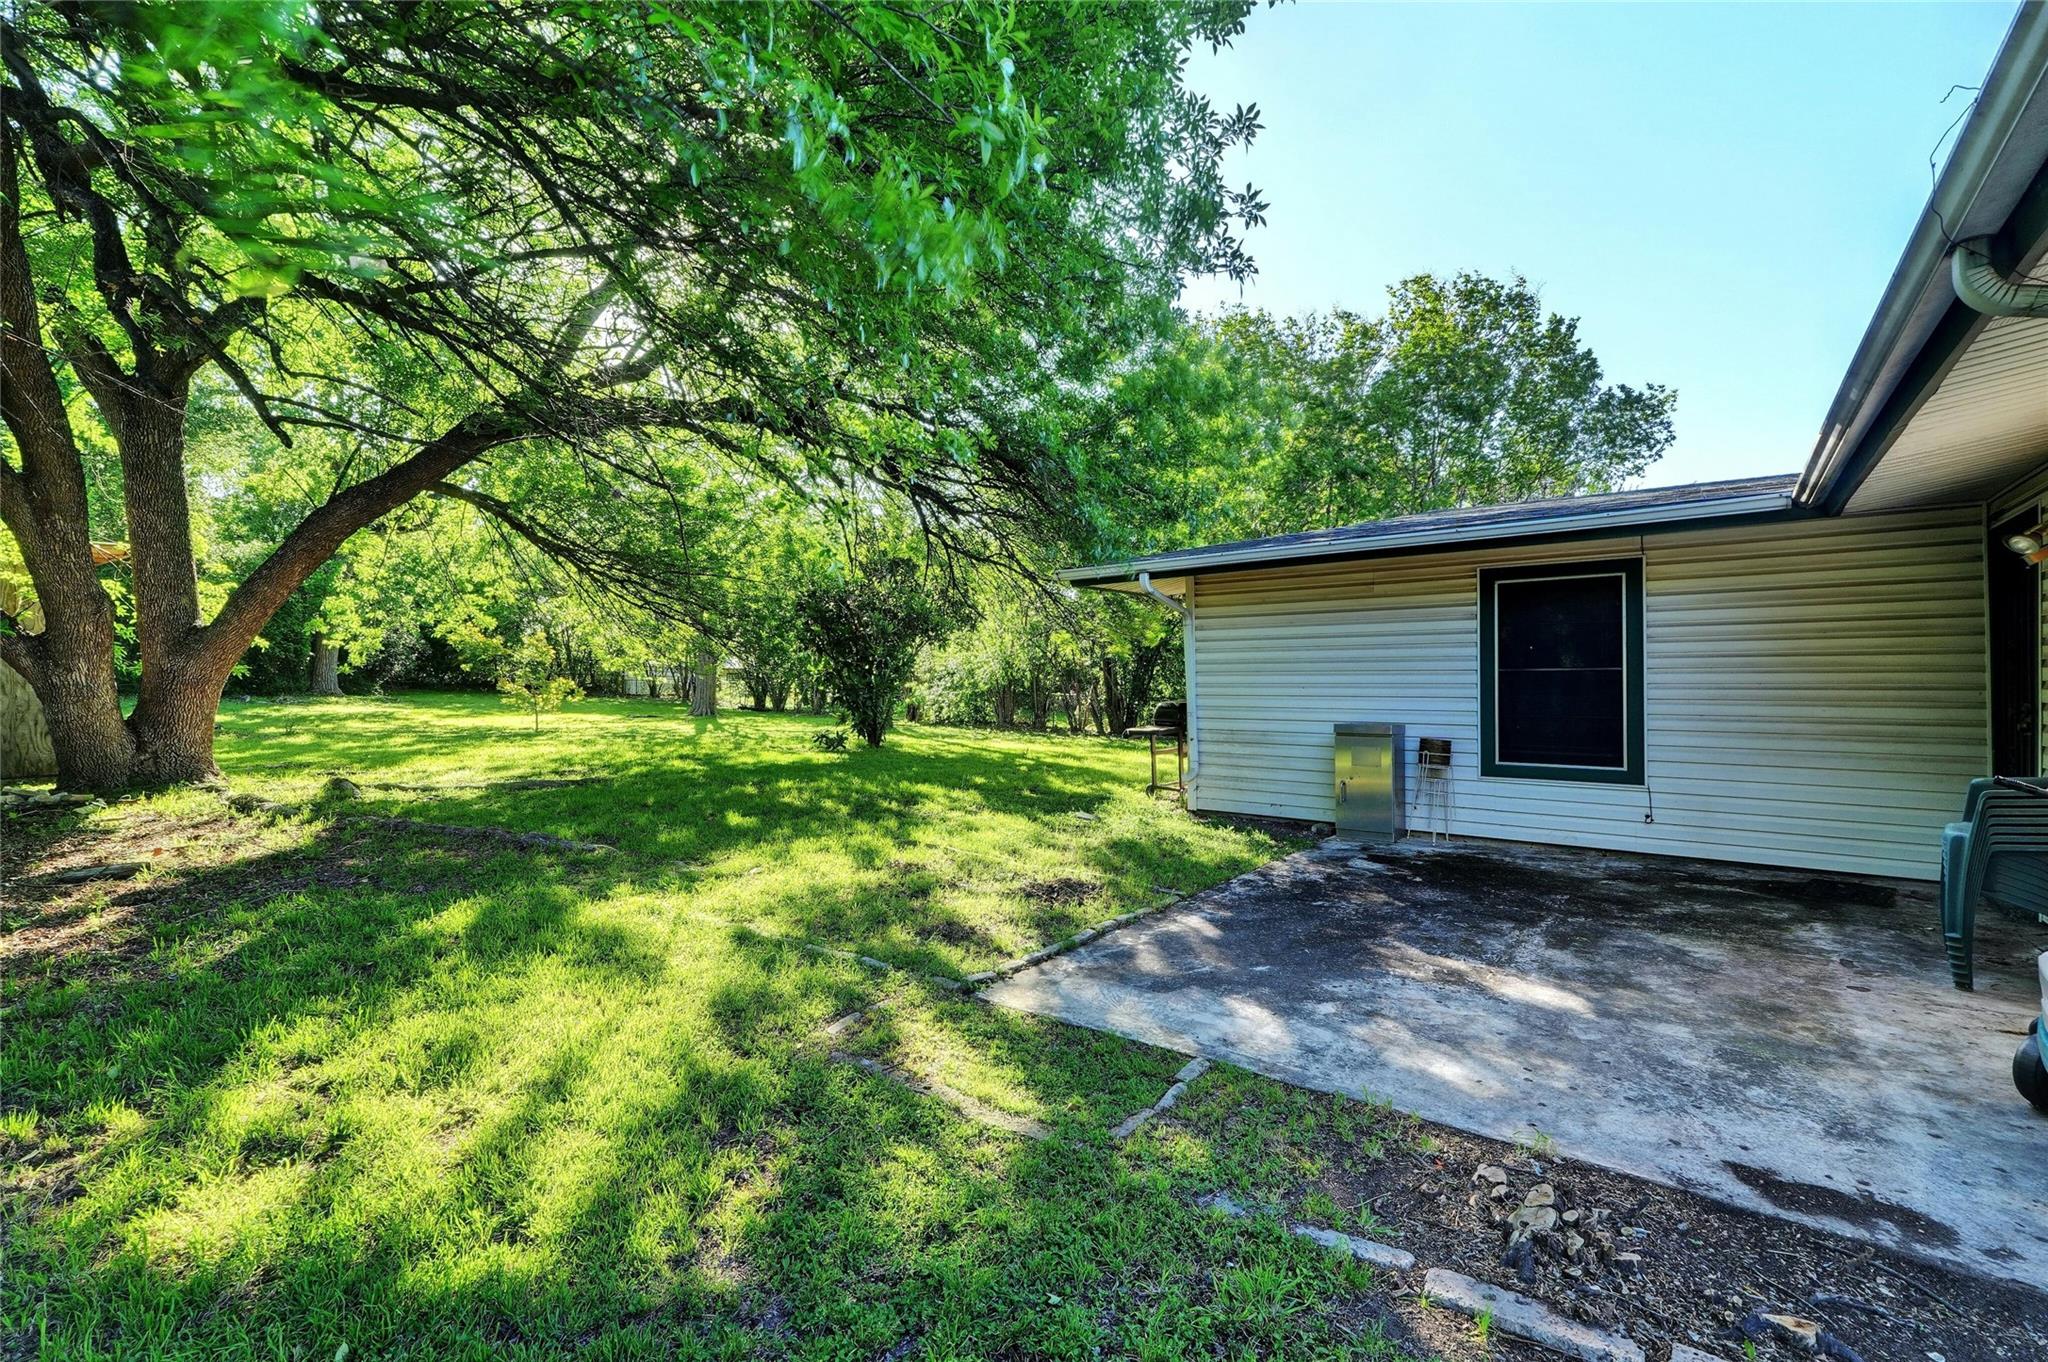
(173, 730)
(95, 750)
(326, 667)
(703, 679)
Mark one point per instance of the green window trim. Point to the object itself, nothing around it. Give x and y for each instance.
(1630, 570)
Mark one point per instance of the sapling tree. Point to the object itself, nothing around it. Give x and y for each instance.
(529, 680)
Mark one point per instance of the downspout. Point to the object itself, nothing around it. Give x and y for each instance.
(1980, 284)
(1186, 611)
(1145, 585)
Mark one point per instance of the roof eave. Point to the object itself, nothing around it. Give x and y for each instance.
(1223, 558)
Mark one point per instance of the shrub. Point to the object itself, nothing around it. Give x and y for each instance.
(830, 740)
(868, 627)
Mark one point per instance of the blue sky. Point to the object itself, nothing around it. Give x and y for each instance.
(1718, 192)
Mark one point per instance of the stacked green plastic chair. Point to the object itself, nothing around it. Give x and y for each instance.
(1997, 854)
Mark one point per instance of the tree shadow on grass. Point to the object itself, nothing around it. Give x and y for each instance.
(475, 1103)
(424, 1094)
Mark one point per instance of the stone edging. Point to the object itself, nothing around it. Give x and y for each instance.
(973, 1108)
(970, 1107)
(1189, 1072)
(1008, 967)
(1511, 1312)
(1365, 1250)
(951, 985)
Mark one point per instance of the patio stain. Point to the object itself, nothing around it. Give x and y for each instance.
(1863, 1209)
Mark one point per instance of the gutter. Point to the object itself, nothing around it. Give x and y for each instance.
(1973, 197)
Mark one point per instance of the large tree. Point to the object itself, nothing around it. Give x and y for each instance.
(852, 242)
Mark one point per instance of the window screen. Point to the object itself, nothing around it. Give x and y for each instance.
(1562, 653)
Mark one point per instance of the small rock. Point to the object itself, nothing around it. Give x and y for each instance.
(341, 787)
(1800, 1332)
(1530, 1220)
(1542, 1194)
(1628, 1264)
(121, 870)
(1570, 1217)
(1490, 1172)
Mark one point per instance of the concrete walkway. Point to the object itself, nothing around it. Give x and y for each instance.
(1779, 1040)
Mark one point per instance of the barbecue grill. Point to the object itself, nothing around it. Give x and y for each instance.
(1169, 720)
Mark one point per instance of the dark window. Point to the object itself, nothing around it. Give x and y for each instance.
(1561, 671)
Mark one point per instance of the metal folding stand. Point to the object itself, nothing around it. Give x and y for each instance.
(1435, 793)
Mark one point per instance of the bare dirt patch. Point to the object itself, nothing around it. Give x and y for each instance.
(953, 932)
(57, 911)
(1695, 1271)
(1059, 891)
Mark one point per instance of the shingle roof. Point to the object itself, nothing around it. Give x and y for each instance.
(1553, 516)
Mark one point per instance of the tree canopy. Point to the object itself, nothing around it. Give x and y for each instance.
(849, 249)
(1465, 392)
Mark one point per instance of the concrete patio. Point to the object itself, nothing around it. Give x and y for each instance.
(1779, 1040)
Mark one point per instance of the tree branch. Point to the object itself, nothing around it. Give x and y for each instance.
(20, 652)
(314, 540)
(65, 174)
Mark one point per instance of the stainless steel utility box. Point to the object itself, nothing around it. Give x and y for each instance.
(1370, 795)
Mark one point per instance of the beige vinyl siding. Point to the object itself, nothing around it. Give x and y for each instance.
(1815, 693)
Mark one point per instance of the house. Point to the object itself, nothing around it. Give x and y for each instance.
(1800, 671)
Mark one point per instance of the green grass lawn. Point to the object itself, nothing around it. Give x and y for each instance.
(311, 1082)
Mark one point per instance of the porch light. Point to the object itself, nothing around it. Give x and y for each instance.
(2031, 545)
